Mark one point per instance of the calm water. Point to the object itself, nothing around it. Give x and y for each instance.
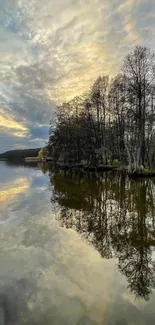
(76, 249)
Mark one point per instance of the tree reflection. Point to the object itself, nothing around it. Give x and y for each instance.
(116, 215)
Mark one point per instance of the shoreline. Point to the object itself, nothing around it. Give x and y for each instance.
(146, 173)
(135, 174)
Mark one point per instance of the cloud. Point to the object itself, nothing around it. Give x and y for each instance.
(8, 123)
(52, 51)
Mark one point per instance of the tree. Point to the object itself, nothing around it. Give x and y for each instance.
(114, 120)
(43, 153)
(139, 73)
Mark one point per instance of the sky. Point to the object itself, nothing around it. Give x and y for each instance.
(52, 51)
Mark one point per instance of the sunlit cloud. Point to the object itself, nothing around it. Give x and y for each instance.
(8, 123)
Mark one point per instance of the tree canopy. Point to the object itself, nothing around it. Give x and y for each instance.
(114, 120)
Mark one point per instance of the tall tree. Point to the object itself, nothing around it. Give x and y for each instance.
(139, 72)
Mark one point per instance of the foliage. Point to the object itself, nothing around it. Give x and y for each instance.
(116, 162)
(114, 121)
(43, 153)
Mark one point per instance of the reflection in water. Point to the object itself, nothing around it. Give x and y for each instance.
(50, 274)
(15, 164)
(117, 217)
(14, 188)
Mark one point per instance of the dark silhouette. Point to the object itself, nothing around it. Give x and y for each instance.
(116, 216)
(19, 155)
(113, 121)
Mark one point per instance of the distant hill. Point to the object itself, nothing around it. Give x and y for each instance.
(19, 155)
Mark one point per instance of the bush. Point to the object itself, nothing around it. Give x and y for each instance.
(115, 163)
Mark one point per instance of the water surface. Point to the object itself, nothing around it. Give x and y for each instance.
(75, 249)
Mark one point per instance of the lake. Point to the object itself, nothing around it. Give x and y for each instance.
(76, 249)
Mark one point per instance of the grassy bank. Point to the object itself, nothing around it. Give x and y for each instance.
(88, 168)
(131, 172)
(145, 173)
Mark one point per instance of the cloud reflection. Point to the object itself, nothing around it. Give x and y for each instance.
(12, 190)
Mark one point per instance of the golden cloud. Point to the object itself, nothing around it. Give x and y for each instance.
(82, 72)
(8, 123)
(74, 43)
(132, 33)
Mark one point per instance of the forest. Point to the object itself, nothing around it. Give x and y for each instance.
(114, 122)
(19, 154)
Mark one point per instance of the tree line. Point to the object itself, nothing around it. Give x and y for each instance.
(19, 155)
(114, 120)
